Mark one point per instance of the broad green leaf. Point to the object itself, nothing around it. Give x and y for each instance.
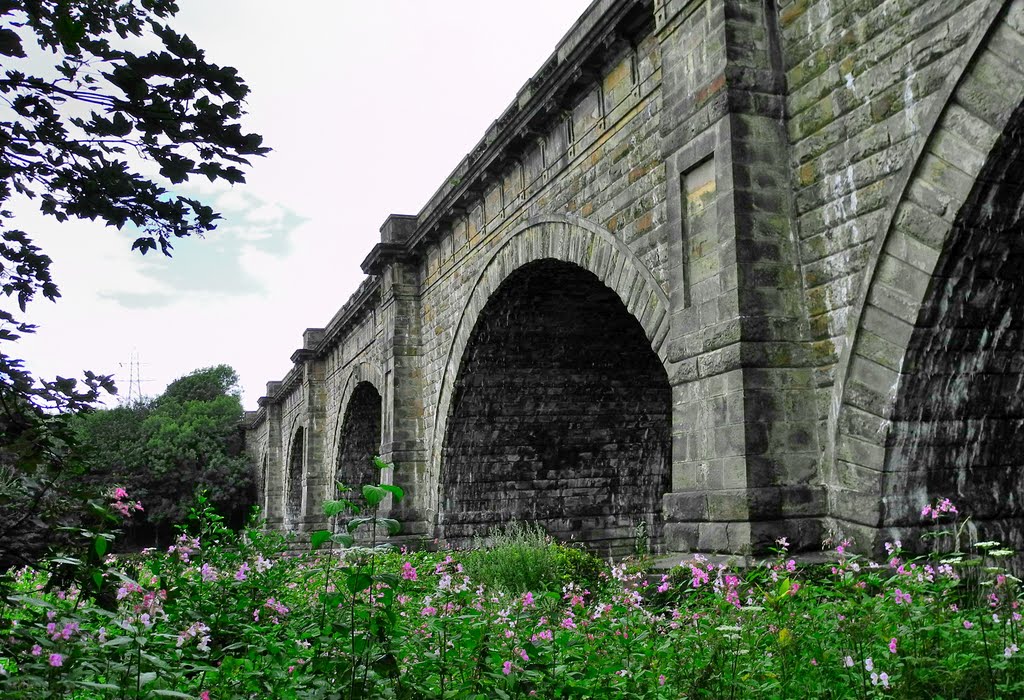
(390, 579)
(97, 578)
(332, 508)
(373, 495)
(355, 523)
(344, 539)
(395, 491)
(318, 538)
(358, 582)
(147, 677)
(391, 524)
(100, 545)
(380, 463)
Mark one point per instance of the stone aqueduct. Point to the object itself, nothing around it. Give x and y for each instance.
(735, 268)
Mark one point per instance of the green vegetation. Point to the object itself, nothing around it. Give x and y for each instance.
(88, 117)
(162, 450)
(223, 615)
(521, 557)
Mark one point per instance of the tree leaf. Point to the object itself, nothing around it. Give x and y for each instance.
(10, 44)
(395, 491)
(392, 525)
(373, 495)
(358, 582)
(344, 539)
(355, 523)
(318, 538)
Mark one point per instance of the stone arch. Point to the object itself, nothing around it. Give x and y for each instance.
(610, 278)
(936, 205)
(294, 473)
(359, 437)
(365, 377)
(264, 484)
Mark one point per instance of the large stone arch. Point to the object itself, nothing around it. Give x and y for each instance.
(935, 201)
(593, 258)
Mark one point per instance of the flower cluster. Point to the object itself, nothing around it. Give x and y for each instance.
(122, 504)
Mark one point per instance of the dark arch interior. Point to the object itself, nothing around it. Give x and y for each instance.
(293, 504)
(264, 485)
(957, 430)
(560, 415)
(360, 438)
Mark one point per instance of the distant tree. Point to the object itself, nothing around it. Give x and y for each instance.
(165, 449)
(85, 115)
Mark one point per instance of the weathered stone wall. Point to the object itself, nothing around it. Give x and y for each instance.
(776, 203)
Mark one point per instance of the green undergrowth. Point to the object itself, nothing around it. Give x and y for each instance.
(224, 615)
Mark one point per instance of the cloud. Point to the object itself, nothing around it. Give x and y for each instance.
(137, 300)
(215, 263)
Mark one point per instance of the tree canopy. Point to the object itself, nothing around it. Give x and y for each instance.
(164, 449)
(93, 127)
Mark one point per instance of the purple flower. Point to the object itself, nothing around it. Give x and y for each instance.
(506, 667)
(892, 645)
(56, 660)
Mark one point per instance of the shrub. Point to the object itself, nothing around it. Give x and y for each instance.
(516, 558)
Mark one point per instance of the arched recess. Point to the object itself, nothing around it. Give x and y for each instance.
(934, 332)
(293, 477)
(264, 485)
(362, 374)
(555, 396)
(359, 438)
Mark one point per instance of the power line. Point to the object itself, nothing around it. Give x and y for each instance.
(135, 379)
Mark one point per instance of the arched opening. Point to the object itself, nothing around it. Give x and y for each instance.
(359, 439)
(293, 501)
(264, 485)
(560, 415)
(957, 429)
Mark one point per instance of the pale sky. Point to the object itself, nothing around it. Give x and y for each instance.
(368, 107)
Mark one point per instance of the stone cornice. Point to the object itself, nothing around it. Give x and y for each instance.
(572, 69)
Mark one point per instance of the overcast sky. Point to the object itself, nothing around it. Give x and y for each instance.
(368, 106)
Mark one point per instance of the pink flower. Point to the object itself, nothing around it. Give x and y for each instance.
(36, 650)
(409, 572)
(506, 667)
(968, 624)
(892, 645)
(56, 660)
(205, 695)
(528, 599)
(661, 679)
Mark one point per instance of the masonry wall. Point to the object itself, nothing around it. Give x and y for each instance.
(768, 188)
